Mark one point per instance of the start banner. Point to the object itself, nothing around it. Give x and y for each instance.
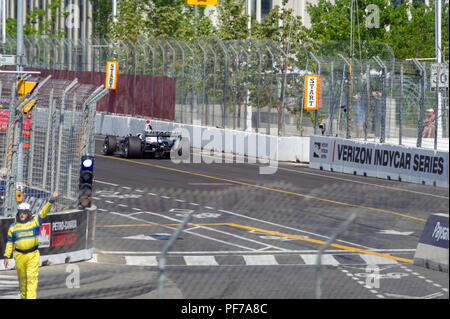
(386, 161)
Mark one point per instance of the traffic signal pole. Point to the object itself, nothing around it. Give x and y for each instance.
(19, 115)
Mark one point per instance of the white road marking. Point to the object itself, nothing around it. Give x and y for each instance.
(188, 232)
(221, 232)
(331, 177)
(395, 232)
(260, 260)
(139, 237)
(231, 252)
(165, 197)
(122, 205)
(106, 183)
(94, 259)
(141, 260)
(377, 260)
(180, 200)
(290, 228)
(200, 261)
(325, 260)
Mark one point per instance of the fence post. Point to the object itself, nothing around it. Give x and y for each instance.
(421, 70)
(225, 81)
(349, 98)
(72, 130)
(47, 137)
(339, 230)
(60, 131)
(166, 248)
(436, 117)
(383, 96)
(366, 109)
(182, 82)
(214, 83)
(204, 110)
(400, 128)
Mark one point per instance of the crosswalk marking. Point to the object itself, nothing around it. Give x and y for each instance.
(246, 260)
(9, 287)
(311, 259)
(259, 260)
(376, 260)
(141, 260)
(200, 261)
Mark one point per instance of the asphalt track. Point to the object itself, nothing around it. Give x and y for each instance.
(253, 235)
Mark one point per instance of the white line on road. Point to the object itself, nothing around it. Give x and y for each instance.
(106, 183)
(200, 261)
(222, 232)
(188, 232)
(141, 260)
(377, 260)
(310, 259)
(260, 260)
(290, 228)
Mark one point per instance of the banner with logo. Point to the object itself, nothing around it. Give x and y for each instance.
(60, 232)
(380, 160)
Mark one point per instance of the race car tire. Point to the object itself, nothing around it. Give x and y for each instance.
(109, 146)
(132, 147)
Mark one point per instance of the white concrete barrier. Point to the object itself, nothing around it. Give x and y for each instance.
(295, 149)
(387, 161)
(432, 249)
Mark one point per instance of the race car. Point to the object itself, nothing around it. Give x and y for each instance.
(153, 144)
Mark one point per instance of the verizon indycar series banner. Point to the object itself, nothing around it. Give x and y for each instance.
(379, 160)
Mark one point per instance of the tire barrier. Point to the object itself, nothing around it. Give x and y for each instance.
(387, 161)
(432, 249)
(63, 237)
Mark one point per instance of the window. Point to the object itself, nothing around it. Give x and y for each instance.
(266, 6)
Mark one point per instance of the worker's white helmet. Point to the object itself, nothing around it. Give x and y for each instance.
(24, 207)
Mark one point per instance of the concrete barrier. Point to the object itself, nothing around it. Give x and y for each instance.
(63, 237)
(263, 146)
(387, 161)
(432, 249)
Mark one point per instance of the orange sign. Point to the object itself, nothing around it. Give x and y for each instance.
(111, 74)
(312, 89)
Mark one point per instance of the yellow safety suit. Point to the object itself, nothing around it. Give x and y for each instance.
(24, 236)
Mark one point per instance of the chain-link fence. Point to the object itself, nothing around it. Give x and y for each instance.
(255, 85)
(56, 133)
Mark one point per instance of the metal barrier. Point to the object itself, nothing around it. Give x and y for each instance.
(57, 132)
(254, 85)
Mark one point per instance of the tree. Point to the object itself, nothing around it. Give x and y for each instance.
(291, 45)
(40, 21)
(232, 20)
(412, 28)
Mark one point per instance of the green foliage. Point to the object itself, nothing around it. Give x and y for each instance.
(233, 22)
(408, 29)
(41, 22)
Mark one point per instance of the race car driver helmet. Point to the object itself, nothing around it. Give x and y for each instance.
(148, 127)
(24, 208)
